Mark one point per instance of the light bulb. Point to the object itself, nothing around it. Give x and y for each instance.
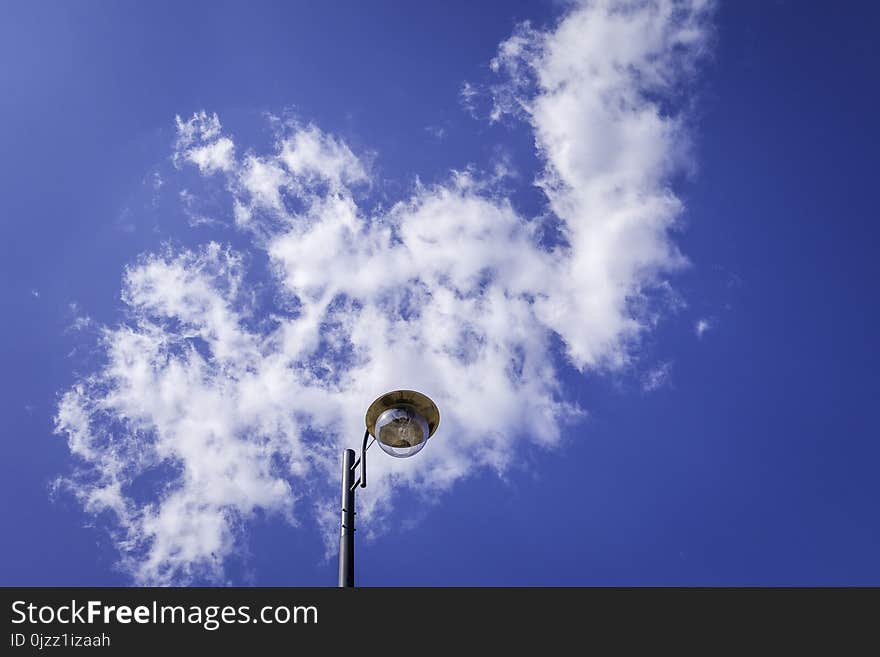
(401, 431)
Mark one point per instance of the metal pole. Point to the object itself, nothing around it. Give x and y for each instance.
(346, 537)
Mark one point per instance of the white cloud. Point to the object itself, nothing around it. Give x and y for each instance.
(702, 326)
(213, 157)
(225, 413)
(200, 142)
(201, 128)
(308, 153)
(609, 150)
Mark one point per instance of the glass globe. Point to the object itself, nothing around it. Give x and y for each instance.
(401, 431)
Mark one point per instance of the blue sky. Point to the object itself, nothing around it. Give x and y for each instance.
(742, 453)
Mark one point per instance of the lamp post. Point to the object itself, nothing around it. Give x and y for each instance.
(401, 421)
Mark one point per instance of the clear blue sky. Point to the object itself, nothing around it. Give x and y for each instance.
(754, 460)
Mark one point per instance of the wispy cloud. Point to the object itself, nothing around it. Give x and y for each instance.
(226, 409)
(467, 96)
(657, 377)
(702, 326)
(437, 132)
(79, 321)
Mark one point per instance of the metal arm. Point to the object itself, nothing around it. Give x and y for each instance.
(364, 449)
(362, 461)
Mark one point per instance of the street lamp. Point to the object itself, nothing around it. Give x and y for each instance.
(402, 421)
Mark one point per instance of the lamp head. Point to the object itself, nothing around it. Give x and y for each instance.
(402, 421)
